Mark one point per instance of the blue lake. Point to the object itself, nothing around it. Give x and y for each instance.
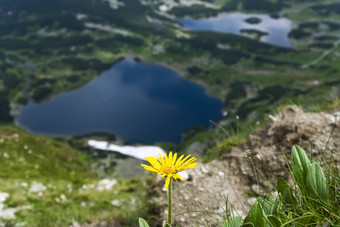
(139, 102)
(277, 28)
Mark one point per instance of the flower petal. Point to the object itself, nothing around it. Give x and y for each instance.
(177, 176)
(149, 168)
(165, 159)
(189, 161)
(182, 161)
(170, 159)
(153, 161)
(184, 167)
(174, 159)
(167, 181)
(179, 160)
(161, 159)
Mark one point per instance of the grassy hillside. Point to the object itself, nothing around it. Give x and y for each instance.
(32, 157)
(49, 184)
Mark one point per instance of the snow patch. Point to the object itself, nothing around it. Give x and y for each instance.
(139, 152)
(108, 28)
(81, 16)
(169, 4)
(115, 4)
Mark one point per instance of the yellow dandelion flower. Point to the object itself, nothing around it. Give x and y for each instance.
(168, 166)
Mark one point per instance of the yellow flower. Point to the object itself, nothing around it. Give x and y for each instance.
(169, 166)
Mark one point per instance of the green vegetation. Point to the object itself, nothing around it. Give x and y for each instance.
(40, 157)
(312, 199)
(45, 56)
(50, 184)
(69, 42)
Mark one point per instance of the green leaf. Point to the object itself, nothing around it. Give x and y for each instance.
(275, 221)
(256, 216)
(248, 225)
(275, 206)
(281, 185)
(233, 222)
(290, 215)
(266, 205)
(164, 224)
(288, 197)
(285, 191)
(142, 223)
(301, 165)
(316, 183)
(306, 219)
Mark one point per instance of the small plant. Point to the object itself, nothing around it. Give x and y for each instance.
(312, 200)
(168, 167)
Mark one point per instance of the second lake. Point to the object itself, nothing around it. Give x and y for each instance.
(275, 30)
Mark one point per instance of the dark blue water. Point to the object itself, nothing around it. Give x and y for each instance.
(277, 29)
(138, 102)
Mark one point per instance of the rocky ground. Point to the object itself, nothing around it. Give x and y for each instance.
(203, 194)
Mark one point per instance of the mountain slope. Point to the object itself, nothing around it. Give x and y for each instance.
(47, 183)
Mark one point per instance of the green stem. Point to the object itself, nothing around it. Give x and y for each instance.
(169, 206)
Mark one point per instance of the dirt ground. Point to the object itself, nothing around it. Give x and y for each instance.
(199, 199)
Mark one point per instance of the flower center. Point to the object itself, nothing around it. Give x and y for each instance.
(168, 169)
